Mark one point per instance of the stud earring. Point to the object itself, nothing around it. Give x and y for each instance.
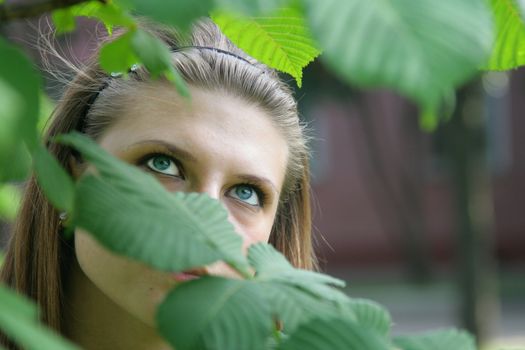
(62, 216)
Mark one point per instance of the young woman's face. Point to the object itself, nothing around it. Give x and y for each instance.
(214, 143)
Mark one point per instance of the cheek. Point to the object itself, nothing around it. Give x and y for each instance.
(252, 227)
(129, 284)
(97, 262)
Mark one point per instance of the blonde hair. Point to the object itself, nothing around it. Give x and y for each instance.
(38, 257)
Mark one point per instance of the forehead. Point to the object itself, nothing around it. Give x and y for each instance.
(218, 128)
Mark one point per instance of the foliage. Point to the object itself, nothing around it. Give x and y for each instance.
(176, 13)
(9, 202)
(208, 315)
(183, 230)
(225, 313)
(421, 49)
(283, 41)
(108, 13)
(320, 334)
(51, 176)
(443, 339)
(19, 88)
(19, 320)
(508, 17)
(436, 47)
(423, 52)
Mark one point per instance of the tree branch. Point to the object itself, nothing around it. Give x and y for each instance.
(18, 10)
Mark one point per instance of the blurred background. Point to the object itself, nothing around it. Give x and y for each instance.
(431, 225)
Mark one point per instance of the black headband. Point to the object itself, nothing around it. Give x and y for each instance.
(180, 48)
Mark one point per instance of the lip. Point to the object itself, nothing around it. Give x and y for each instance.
(189, 275)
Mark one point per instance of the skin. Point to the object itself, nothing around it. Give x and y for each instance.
(222, 143)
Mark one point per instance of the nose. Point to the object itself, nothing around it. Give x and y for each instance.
(211, 188)
(214, 190)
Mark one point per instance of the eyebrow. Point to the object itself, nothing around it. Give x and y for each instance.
(187, 156)
(180, 153)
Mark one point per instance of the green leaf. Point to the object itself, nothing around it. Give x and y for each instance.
(107, 12)
(19, 320)
(139, 46)
(334, 334)
(215, 313)
(64, 20)
(179, 13)
(118, 55)
(11, 113)
(19, 73)
(428, 120)
(19, 105)
(294, 306)
(156, 56)
(509, 48)
(296, 295)
(18, 163)
(152, 52)
(46, 110)
(15, 303)
(436, 340)
(271, 265)
(371, 315)
(422, 49)
(251, 7)
(281, 41)
(172, 232)
(173, 75)
(54, 180)
(9, 202)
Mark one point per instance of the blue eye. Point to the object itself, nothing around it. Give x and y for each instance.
(246, 193)
(163, 164)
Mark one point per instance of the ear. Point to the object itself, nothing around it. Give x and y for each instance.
(76, 167)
